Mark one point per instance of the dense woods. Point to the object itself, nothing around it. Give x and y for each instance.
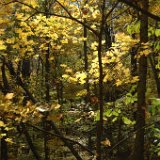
(80, 79)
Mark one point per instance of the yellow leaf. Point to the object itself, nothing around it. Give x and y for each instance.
(9, 96)
(118, 83)
(68, 70)
(82, 93)
(94, 45)
(83, 39)
(9, 140)
(63, 65)
(65, 76)
(64, 41)
(77, 120)
(2, 124)
(72, 79)
(55, 106)
(2, 47)
(96, 14)
(51, 58)
(135, 79)
(10, 40)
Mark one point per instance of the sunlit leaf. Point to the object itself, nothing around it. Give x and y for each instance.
(9, 96)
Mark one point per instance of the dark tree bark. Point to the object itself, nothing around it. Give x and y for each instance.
(133, 59)
(4, 147)
(101, 108)
(47, 71)
(70, 146)
(141, 9)
(86, 64)
(29, 141)
(108, 37)
(19, 81)
(6, 87)
(141, 88)
(26, 68)
(155, 73)
(47, 62)
(47, 80)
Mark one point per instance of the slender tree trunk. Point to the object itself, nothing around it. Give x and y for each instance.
(47, 81)
(6, 89)
(100, 122)
(47, 71)
(108, 37)
(47, 85)
(4, 147)
(141, 88)
(30, 143)
(47, 63)
(58, 82)
(70, 146)
(155, 73)
(26, 68)
(26, 75)
(46, 151)
(4, 79)
(133, 59)
(19, 81)
(86, 63)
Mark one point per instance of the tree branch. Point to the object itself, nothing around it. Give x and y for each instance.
(57, 15)
(60, 136)
(129, 3)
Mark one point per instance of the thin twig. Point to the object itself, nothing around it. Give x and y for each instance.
(59, 136)
(131, 134)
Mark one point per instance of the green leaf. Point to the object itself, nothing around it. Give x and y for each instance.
(108, 113)
(126, 120)
(157, 32)
(115, 113)
(114, 119)
(129, 30)
(157, 45)
(97, 116)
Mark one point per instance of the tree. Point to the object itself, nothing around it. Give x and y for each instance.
(71, 68)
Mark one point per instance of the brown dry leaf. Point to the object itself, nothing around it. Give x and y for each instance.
(106, 142)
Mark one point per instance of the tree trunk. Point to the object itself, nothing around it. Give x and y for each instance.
(141, 88)
(47, 70)
(86, 64)
(101, 108)
(155, 73)
(26, 68)
(4, 147)
(30, 143)
(133, 59)
(70, 146)
(6, 87)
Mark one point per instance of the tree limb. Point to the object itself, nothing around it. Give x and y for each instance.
(129, 3)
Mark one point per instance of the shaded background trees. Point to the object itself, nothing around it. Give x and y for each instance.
(78, 69)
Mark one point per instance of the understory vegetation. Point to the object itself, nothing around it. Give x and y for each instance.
(79, 80)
